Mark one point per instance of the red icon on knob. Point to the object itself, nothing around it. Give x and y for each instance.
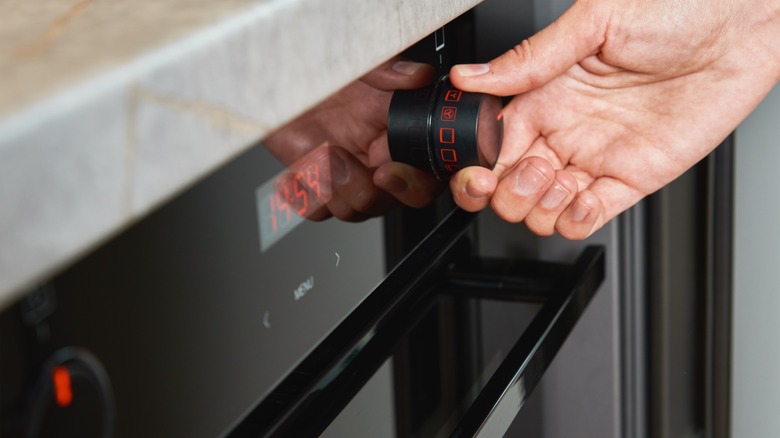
(449, 113)
(449, 155)
(447, 135)
(453, 95)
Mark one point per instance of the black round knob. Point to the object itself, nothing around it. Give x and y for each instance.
(72, 397)
(443, 129)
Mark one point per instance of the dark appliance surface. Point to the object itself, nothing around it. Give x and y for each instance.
(186, 313)
(184, 326)
(221, 314)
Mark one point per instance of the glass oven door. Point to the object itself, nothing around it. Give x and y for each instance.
(417, 358)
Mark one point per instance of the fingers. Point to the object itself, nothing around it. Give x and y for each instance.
(355, 197)
(400, 74)
(542, 219)
(409, 185)
(578, 33)
(522, 188)
(472, 188)
(582, 217)
(545, 199)
(338, 184)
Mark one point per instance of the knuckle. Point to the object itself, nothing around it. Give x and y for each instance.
(522, 52)
(521, 56)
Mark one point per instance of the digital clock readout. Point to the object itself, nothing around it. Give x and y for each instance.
(285, 201)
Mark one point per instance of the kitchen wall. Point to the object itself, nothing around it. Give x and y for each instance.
(756, 326)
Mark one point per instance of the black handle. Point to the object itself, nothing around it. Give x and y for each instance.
(315, 392)
(511, 385)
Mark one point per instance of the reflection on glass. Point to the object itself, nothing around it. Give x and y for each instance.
(284, 201)
(437, 370)
(337, 158)
(338, 161)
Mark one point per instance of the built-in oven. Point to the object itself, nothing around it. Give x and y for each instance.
(192, 323)
(236, 310)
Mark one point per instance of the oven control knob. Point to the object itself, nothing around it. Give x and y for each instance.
(443, 129)
(72, 397)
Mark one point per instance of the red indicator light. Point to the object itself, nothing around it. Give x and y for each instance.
(447, 135)
(449, 155)
(63, 390)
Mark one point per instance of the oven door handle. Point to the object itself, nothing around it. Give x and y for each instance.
(306, 401)
(499, 402)
(313, 394)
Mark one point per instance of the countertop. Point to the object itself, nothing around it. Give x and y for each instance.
(108, 108)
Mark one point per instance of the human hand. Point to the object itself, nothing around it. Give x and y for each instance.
(615, 100)
(346, 137)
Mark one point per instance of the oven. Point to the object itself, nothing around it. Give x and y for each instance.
(229, 311)
(188, 325)
(218, 315)
(183, 327)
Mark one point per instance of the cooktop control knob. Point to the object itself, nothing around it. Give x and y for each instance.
(443, 129)
(72, 397)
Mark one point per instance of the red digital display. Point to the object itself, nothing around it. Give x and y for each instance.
(292, 196)
(284, 201)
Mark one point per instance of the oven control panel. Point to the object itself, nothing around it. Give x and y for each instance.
(189, 313)
(70, 397)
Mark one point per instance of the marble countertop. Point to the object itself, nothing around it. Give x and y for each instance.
(110, 107)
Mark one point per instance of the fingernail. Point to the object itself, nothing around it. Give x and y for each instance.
(407, 68)
(530, 181)
(579, 211)
(554, 196)
(468, 70)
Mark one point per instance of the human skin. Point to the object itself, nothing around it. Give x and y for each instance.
(346, 135)
(613, 101)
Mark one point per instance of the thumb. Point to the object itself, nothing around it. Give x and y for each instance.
(577, 34)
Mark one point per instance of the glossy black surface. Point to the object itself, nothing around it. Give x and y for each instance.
(200, 309)
(511, 385)
(438, 275)
(315, 392)
(189, 315)
(223, 312)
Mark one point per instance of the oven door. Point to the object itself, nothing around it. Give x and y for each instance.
(418, 357)
(229, 312)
